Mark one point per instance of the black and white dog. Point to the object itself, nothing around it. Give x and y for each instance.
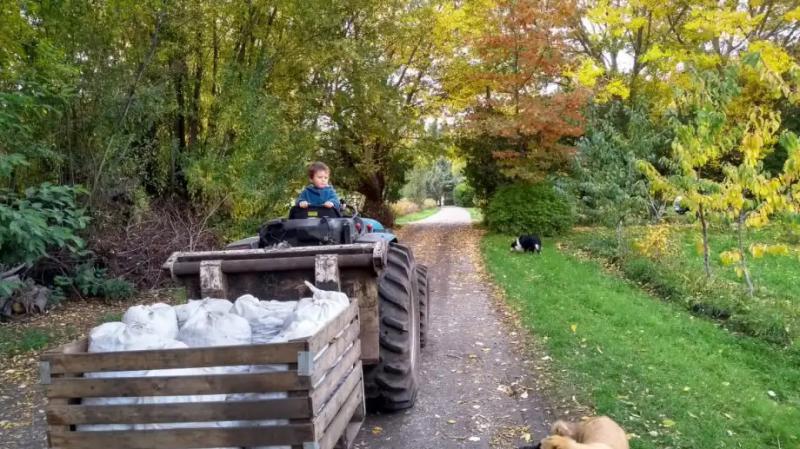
(527, 243)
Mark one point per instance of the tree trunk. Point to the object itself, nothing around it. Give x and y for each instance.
(374, 203)
(704, 224)
(621, 251)
(194, 113)
(179, 125)
(377, 209)
(740, 232)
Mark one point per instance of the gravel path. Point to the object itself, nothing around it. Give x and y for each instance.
(477, 387)
(448, 215)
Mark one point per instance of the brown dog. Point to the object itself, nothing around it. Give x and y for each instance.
(600, 432)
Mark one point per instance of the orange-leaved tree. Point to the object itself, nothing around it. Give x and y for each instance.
(527, 101)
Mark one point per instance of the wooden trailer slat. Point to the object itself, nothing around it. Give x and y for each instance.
(341, 422)
(322, 392)
(177, 385)
(322, 337)
(327, 359)
(343, 392)
(265, 354)
(288, 408)
(185, 438)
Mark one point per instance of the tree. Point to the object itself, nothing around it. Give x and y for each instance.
(527, 100)
(609, 187)
(723, 135)
(435, 180)
(631, 45)
(378, 93)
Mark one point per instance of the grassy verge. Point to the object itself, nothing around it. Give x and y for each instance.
(475, 213)
(678, 276)
(669, 378)
(425, 213)
(18, 340)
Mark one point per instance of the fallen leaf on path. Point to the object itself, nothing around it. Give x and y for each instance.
(377, 430)
(505, 389)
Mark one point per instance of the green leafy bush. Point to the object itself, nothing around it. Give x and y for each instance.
(90, 280)
(524, 208)
(43, 221)
(44, 217)
(464, 195)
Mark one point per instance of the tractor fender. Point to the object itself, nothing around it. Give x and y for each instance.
(377, 226)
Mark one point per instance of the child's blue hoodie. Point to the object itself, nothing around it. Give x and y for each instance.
(318, 197)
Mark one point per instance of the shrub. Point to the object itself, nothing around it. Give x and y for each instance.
(94, 282)
(404, 207)
(34, 224)
(429, 203)
(525, 208)
(464, 195)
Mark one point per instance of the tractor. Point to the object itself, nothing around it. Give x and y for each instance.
(336, 251)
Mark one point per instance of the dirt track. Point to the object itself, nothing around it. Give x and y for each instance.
(477, 390)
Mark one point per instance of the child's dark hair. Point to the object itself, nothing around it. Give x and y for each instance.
(314, 167)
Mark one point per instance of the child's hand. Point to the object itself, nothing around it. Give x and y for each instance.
(328, 204)
(303, 204)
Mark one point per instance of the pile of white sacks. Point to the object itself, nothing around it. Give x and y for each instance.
(204, 323)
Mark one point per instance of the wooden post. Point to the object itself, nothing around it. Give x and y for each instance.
(212, 280)
(326, 272)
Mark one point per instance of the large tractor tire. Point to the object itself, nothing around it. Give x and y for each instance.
(423, 294)
(392, 383)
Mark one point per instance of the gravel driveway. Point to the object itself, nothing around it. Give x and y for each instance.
(478, 384)
(447, 215)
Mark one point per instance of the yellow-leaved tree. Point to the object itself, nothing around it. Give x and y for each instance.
(726, 122)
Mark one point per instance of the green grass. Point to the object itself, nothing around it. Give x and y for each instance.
(672, 379)
(425, 213)
(678, 276)
(475, 213)
(110, 317)
(15, 340)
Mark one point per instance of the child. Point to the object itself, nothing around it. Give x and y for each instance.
(318, 193)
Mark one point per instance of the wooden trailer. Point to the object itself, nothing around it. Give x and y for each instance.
(324, 403)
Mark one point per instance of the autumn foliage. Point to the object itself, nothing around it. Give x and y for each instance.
(527, 99)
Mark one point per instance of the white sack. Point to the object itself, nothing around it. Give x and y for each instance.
(267, 318)
(301, 329)
(157, 319)
(184, 311)
(178, 399)
(114, 337)
(208, 328)
(313, 313)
